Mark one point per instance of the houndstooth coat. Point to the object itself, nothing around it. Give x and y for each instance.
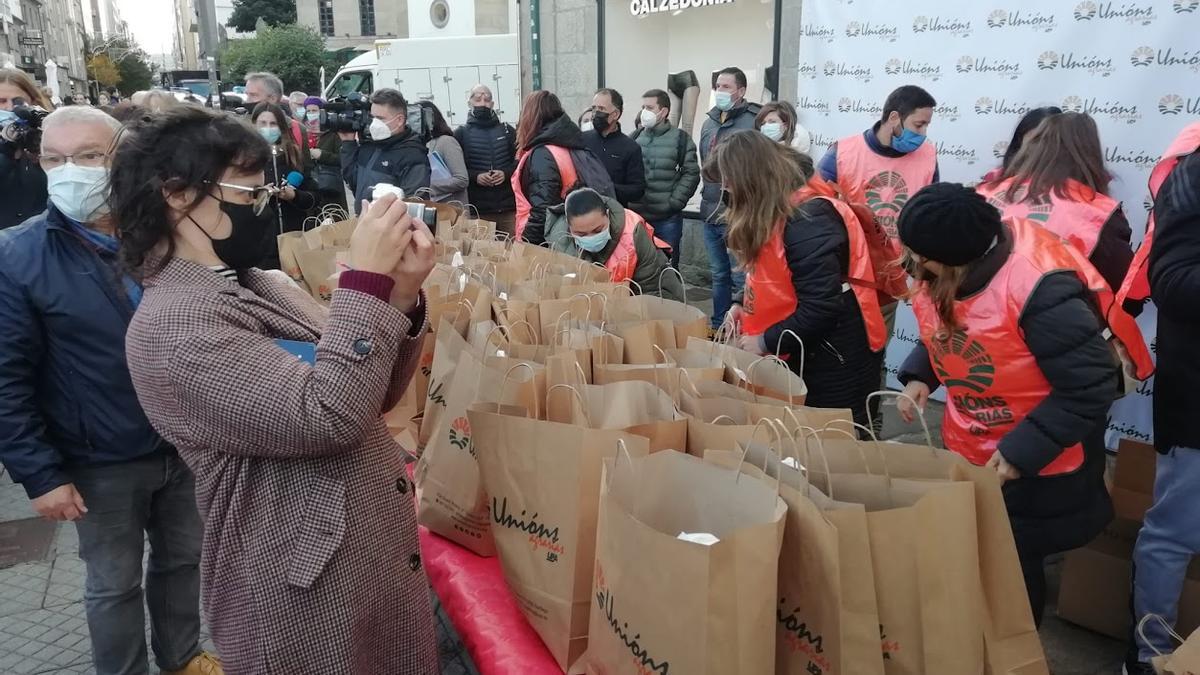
(310, 562)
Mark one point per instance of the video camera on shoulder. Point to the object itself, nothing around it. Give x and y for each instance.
(24, 129)
(349, 114)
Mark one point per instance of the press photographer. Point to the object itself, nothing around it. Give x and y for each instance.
(22, 181)
(377, 144)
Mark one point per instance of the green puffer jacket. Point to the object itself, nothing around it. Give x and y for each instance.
(650, 260)
(669, 183)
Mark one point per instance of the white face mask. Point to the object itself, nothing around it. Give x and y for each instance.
(379, 129)
(649, 119)
(79, 192)
(772, 130)
(586, 127)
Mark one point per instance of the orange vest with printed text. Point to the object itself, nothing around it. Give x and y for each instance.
(889, 182)
(992, 380)
(1077, 218)
(567, 175)
(771, 295)
(1137, 281)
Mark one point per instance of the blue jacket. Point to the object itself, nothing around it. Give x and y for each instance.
(65, 393)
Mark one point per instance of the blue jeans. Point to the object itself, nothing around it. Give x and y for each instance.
(670, 230)
(154, 495)
(726, 279)
(1166, 544)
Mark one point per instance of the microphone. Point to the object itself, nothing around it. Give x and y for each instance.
(295, 179)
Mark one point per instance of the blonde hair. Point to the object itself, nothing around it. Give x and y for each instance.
(942, 289)
(20, 80)
(762, 177)
(158, 100)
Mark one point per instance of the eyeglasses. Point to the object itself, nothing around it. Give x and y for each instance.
(92, 158)
(262, 195)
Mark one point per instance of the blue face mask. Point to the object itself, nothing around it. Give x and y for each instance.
(270, 133)
(7, 116)
(908, 141)
(298, 113)
(724, 100)
(594, 243)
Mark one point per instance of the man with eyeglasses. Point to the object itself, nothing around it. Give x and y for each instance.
(71, 430)
(389, 152)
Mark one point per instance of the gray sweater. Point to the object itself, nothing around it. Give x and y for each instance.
(453, 189)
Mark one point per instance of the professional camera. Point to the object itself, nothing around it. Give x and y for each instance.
(25, 129)
(350, 114)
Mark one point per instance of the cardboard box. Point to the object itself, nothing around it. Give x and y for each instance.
(1133, 480)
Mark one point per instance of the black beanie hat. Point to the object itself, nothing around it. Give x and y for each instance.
(949, 223)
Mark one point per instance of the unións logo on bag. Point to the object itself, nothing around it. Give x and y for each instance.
(541, 535)
(936, 24)
(1093, 65)
(642, 661)
(1114, 110)
(1132, 13)
(890, 647)
(872, 30)
(989, 66)
(845, 70)
(1037, 21)
(800, 639)
(1185, 6)
(426, 364)
(913, 68)
(1146, 57)
(460, 435)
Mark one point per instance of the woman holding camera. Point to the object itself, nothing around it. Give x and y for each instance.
(310, 561)
(22, 182)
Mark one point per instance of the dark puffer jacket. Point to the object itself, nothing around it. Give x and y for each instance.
(540, 180)
(489, 144)
(671, 179)
(402, 161)
(22, 187)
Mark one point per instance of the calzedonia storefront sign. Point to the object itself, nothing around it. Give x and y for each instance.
(647, 7)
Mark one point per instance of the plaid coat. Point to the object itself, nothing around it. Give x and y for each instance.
(310, 561)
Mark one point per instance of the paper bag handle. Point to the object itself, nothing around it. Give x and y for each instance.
(770, 424)
(458, 312)
(900, 394)
(622, 450)
(1141, 631)
(774, 359)
(537, 412)
(528, 326)
(808, 433)
(829, 426)
(578, 396)
(723, 417)
(779, 348)
(692, 383)
(681, 281)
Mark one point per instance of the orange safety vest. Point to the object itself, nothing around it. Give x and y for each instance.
(771, 295)
(1137, 279)
(1077, 218)
(992, 378)
(567, 175)
(623, 260)
(889, 182)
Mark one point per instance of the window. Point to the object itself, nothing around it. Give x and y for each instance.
(353, 81)
(325, 16)
(439, 13)
(366, 16)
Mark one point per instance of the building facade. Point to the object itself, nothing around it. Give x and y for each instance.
(37, 33)
(186, 42)
(356, 24)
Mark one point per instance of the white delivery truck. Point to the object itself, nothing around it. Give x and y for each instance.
(439, 69)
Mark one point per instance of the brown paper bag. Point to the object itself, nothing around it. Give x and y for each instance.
(765, 376)
(687, 321)
(316, 266)
(289, 243)
(661, 604)
(330, 234)
(1183, 661)
(543, 479)
(644, 339)
(635, 407)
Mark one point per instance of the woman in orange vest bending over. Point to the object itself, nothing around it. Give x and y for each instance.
(805, 256)
(595, 228)
(1009, 324)
(1058, 179)
(545, 172)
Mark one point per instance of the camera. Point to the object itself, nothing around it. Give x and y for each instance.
(421, 212)
(347, 114)
(24, 130)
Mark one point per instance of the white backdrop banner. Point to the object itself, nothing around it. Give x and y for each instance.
(1133, 66)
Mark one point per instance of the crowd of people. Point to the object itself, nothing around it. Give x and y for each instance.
(152, 364)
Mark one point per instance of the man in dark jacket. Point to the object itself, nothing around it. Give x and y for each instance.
(619, 153)
(732, 113)
(672, 170)
(390, 153)
(490, 148)
(71, 430)
(1170, 536)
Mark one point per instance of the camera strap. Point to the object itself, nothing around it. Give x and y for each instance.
(365, 169)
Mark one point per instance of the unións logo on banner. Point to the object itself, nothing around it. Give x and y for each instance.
(1114, 110)
(813, 104)
(1185, 6)
(949, 112)
(1037, 21)
(999, 149)
(1093, 65)
(913, 68)
(857, 105)
(808, 70)
(826, 33)
(848, 71)
(989, 66)
(820, 140)
(881, 31)
(936, 24)
(1138, 158)
(988, 106)
(1145, 57)
(958, 152)
(1173, 104)
(1132, 13)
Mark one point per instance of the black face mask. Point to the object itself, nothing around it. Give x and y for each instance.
(481, 112)
(242, 249)
(600, 121)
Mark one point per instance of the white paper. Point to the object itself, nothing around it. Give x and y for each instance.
(740, 373)
(570, 275)
(791, 462)
(457, 259)
(501, 353)
(703, 538)
(503, 295)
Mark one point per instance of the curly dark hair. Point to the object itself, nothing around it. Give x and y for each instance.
(185, 147)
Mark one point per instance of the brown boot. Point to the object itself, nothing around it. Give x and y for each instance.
(201, 664)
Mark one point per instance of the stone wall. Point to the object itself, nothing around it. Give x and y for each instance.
(570, 51)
